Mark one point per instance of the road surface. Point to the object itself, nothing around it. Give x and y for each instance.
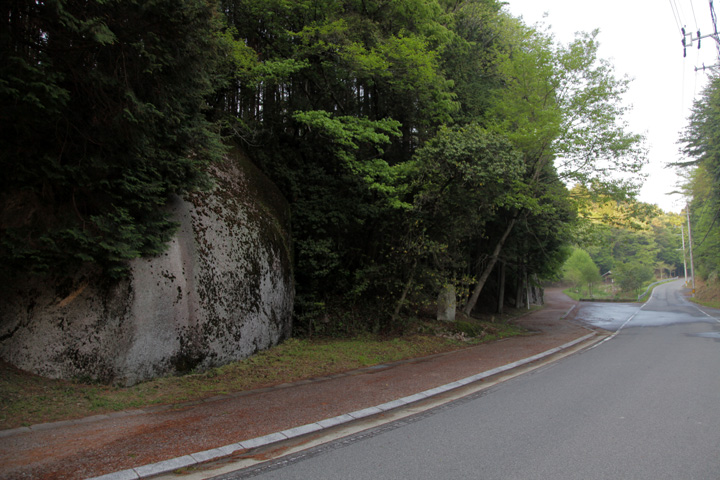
(643, 405)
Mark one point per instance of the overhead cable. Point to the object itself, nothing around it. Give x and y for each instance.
(675, 14)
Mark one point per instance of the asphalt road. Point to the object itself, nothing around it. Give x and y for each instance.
(643, 405)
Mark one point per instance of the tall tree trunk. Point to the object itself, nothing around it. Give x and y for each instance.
(405, 291)
(488, 268)
(537, 291)
(527, 289)
(501, 292)
(520, 291)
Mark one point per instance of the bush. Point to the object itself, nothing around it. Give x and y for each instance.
(632, 275)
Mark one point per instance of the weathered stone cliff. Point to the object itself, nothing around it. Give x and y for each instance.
(222, 291)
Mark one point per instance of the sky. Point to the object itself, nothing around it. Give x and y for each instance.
(642, 39)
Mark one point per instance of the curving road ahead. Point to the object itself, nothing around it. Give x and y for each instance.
(667, 306)
(643, 405)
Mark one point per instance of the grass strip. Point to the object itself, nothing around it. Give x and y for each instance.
(27, 399)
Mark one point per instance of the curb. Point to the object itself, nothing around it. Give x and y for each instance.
(172, 464)
(160, 408)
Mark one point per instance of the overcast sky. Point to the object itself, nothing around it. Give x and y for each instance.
(642, 38)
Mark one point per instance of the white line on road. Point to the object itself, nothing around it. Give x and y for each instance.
(705, 313)
(626, 322)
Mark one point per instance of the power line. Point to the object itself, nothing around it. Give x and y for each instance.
(679, 9)
(689, 38)
(674, 11)
(692, 7)
(713, 15)
(711, 226)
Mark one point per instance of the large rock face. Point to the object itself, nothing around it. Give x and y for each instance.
(221, 292)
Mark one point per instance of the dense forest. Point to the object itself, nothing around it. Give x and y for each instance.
(629, 243)
(421, 144)
(701, 145)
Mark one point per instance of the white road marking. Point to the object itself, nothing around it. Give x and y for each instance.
(626, 322)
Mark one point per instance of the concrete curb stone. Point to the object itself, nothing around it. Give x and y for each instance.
(168, 466)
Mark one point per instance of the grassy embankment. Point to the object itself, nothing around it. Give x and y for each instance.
(27, 399)
(707, 294)
(608, 292)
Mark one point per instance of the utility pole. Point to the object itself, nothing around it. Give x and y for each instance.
(692, 263)
(688, 40)
(685, 44)
(682, 232)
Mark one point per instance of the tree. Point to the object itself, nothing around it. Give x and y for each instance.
(669, 255)
(372, 59)
(700, 137)
(463, 176)
(700, 144)
(104, 118)
(559, 105)
(615, 232)
(631, 276)
(347, 104)
(579, 269)
(460, 177)
(705, 220)
(333, 100)
(469, 58)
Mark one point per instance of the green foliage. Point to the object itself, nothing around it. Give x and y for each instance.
(471, 329)
(701, 144)
(621, 232)
(103, 122)
(669, 255)
(700, 137)
(469, 58)
(332, 105)
(345, 134)
(579, 269)
(561, 107)
(418, 142)
(410, 135)
(705, 222)
(459, 180)
(563, 102)
(464, 174)
(631, 276)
